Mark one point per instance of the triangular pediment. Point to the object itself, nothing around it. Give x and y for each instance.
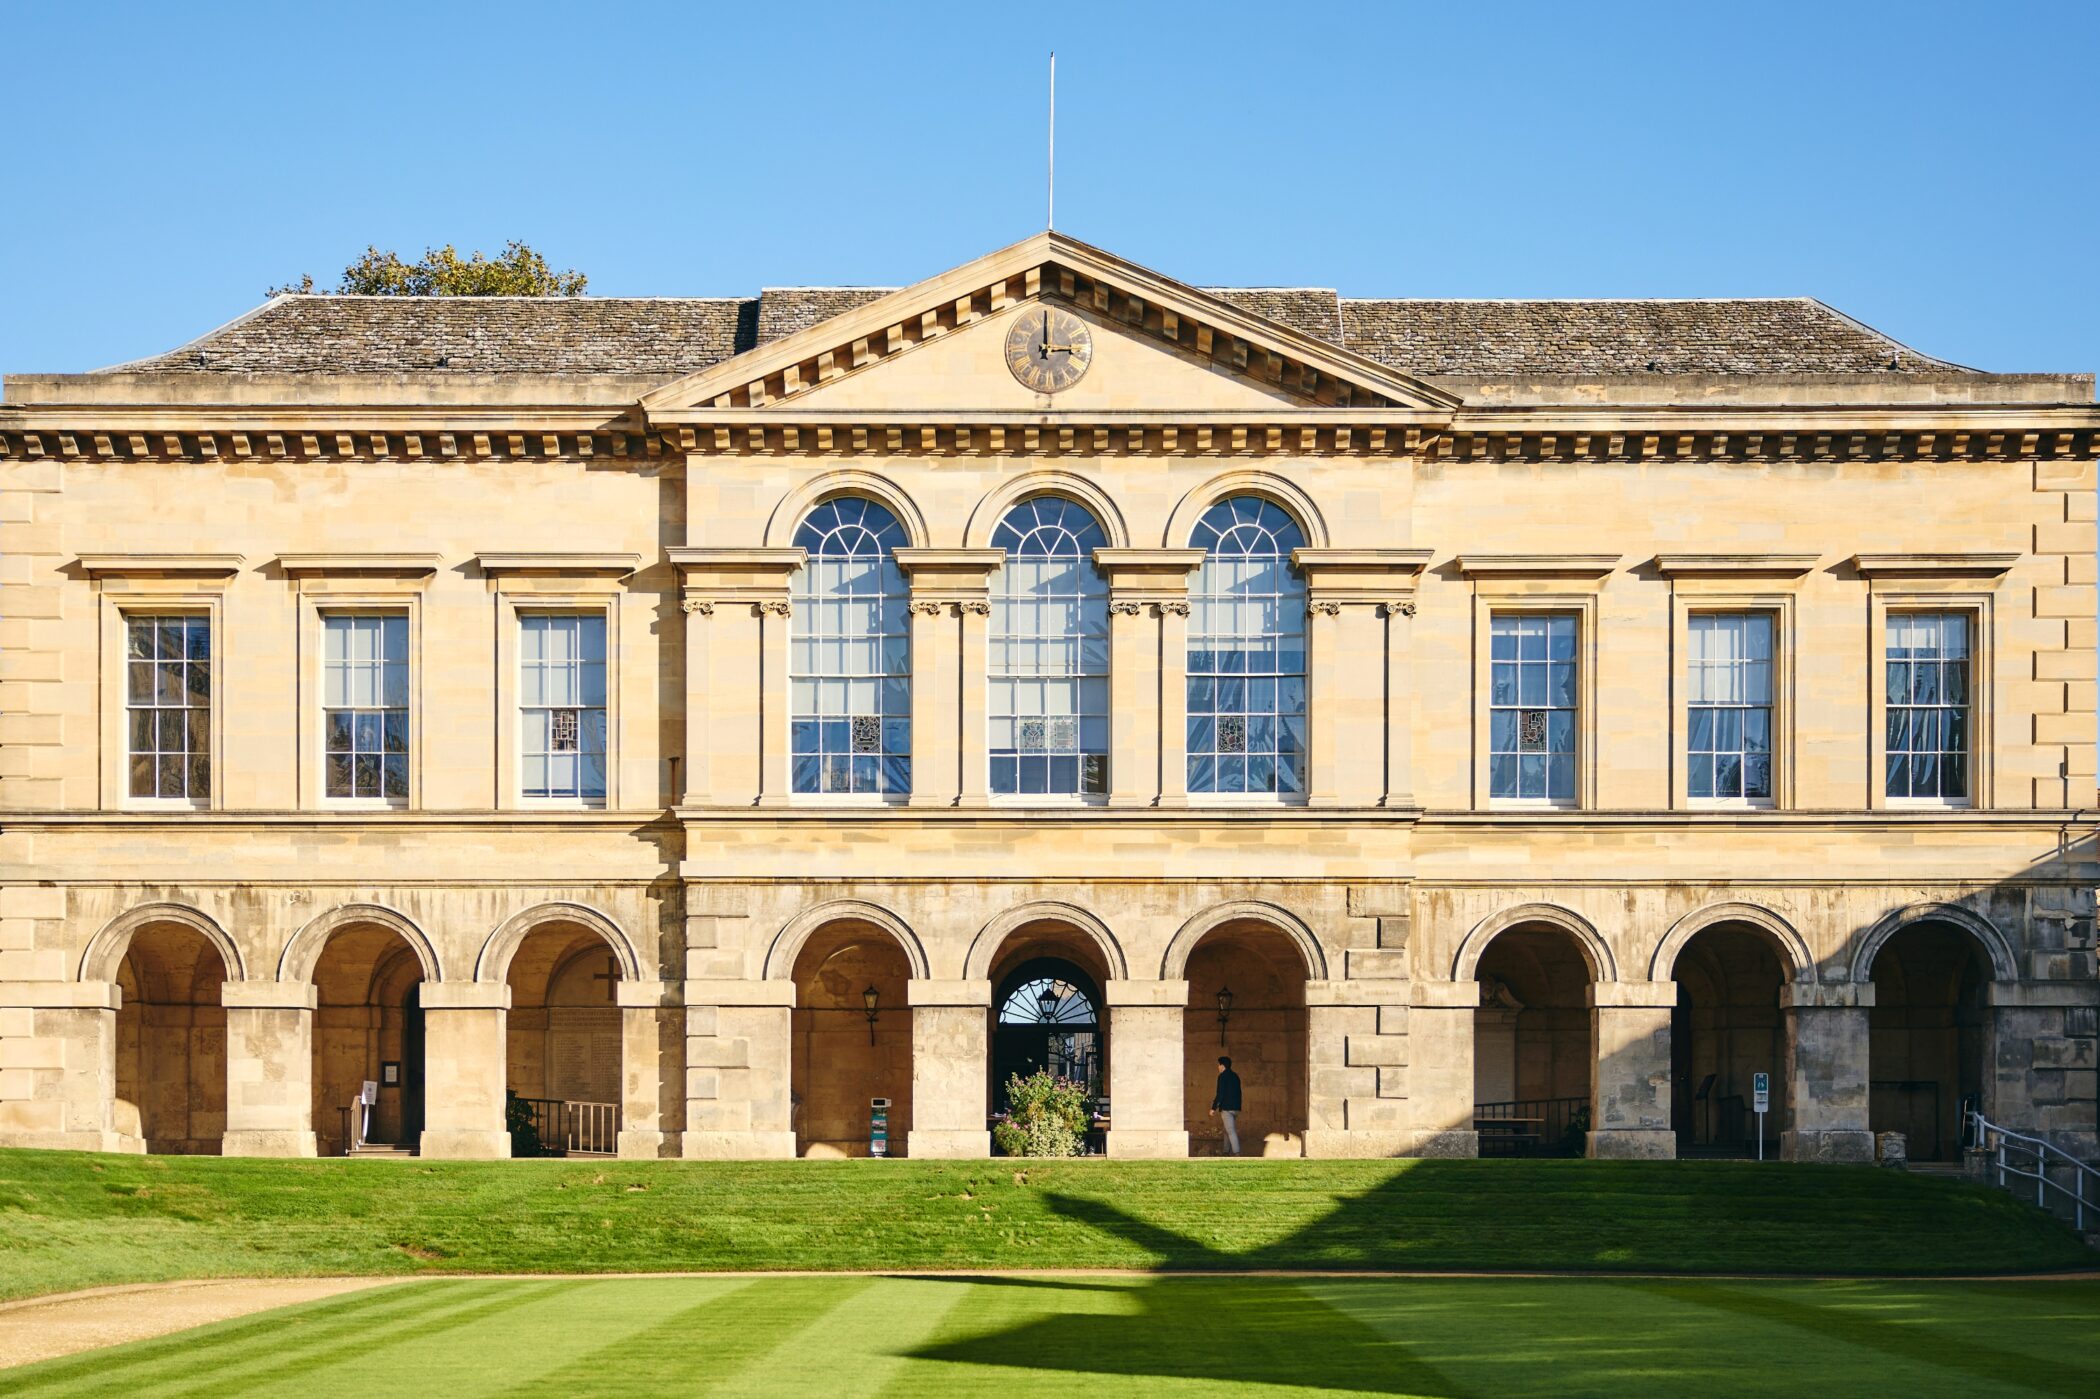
(1160, 344)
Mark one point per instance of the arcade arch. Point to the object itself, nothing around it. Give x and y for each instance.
(1532, 1051)
(170, 1036)
(851, 1035)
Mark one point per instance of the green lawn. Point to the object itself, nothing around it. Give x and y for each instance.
(1122, 1336)
(70, 1220)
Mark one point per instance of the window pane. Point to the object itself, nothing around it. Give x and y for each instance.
(849, 655)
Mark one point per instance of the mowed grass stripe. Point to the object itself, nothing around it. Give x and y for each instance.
(868, 1336)
(204, 1345)
(704, 1348)
(455, 1307)
(1206, 1335)
(1521, 1337)
(1945, 1341)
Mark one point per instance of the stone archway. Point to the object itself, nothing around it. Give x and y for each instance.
(564, 1047)
(1928, 1034)
(368, 1028)
(1264, 1030)
(171, 1045)
(1050, 944)
(1533, 1055)
(851, 1037)
(1726, 1028)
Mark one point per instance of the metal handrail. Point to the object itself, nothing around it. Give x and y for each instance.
(1999, 1140)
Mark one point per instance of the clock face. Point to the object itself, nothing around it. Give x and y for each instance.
(1048, 349)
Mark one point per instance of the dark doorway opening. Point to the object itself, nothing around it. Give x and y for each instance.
(1926, 1037)
(1048, 1017)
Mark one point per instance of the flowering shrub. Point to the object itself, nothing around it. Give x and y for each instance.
(1047, 1116)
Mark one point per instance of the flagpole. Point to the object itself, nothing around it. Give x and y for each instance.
(1050, 221)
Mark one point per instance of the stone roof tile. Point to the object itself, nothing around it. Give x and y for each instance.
(671, 336)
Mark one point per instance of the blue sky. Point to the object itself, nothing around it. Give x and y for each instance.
(1927, 168)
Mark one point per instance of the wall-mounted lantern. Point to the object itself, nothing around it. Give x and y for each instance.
(871, 998)
(1224, 1011)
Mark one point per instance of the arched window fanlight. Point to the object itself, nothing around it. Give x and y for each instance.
(1246, 658)
(1047, 1001)
(849, 670)
(1048, 703)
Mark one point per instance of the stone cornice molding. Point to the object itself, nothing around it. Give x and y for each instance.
(1537, 565)
(560, 564)
(758, 577)
(322, 565)
(160, 565)
(1375, 577)
(1139, 576)
(1933, 565)
(1734, 565)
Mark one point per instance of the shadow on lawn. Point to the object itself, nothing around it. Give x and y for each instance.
(1246, 1330)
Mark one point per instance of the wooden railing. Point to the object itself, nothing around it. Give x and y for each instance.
(568, 1127)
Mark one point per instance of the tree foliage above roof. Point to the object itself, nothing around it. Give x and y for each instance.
(516, 271)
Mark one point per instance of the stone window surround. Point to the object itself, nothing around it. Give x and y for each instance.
(1693, 595)
(347, 584)
(1919, 594)
(570, 584)
(163, 585)
(1509, 585)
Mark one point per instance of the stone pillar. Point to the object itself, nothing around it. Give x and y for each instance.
(1147, 666)
(950, 608)
(698, 764)
(737, 615)
(1826, 1071)
(1357, 1054)
(463, 1070)
(269, 1068)
(775, 622)
(973, 744)
(641, 1069)
(950, 1069)
(1351, 667)
(58, 1067)
(739, 1070)
(1146, 1112)
(1440, 1045)
(1630, 1070)
(1399, 703)
(2041, 1060)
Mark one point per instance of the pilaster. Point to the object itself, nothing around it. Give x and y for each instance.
(1148, 613)
(1440, 1042)
(1146, 1110)
(950, 1048)
(642, 1004)
(1356, 705)
(738, 614)
(950, 617)
(59, 1057)
(738, 1070)
(269, 1068)
(1358, 1050)
(463, 1070)
(1630, 1070)
(1826, 1068)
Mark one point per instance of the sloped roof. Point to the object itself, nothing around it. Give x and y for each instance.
(672, 336)
(1790, 335)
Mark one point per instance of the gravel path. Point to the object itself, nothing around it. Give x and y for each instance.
(41, 1328)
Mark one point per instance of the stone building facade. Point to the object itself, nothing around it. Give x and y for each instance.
(1498, 725)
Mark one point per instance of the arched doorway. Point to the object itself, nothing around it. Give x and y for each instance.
(1247, 1000)
(1047, 1016)
(1532, 1055)
(852, 1032)
(563, 1043)
(1926, 1034)
(1727, 1028)
(1049, 1010)
(368, 1028)
(171, 1042)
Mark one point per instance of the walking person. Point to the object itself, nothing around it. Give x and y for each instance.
(1225, 1104)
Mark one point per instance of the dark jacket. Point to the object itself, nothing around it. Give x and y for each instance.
(1227, 1098)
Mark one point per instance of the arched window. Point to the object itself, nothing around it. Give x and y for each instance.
(1049, 653)
(850, 669)
(1246, 671)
